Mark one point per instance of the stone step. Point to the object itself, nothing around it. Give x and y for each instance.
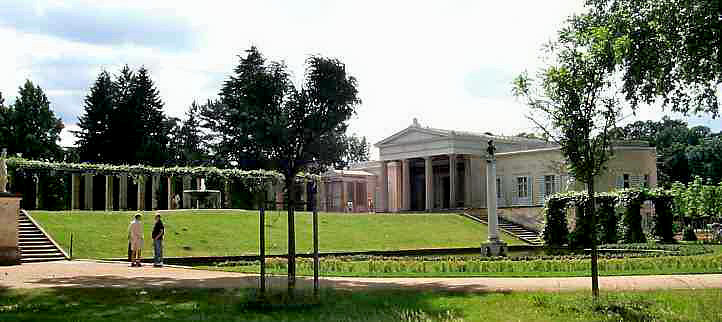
(38, 251)
(42, 259)
(38, 246)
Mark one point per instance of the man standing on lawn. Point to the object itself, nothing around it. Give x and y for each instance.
(158, 232)
(135, 237)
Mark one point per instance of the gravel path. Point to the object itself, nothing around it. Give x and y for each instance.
(103, 274)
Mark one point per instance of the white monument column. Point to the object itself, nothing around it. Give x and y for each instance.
(493, 218)
(494, 246)
(186, 186)
(155, 192)
(75, 192)
(384, 185)
(171, 193)
(452, 180)
(406, 186)
(429, 180)
(141, 193)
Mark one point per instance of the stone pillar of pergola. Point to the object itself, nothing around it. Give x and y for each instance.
(88, 191)
(171, 193)
(155, 192)
(108, 193)
(141, 193)
(75, 201)
(186, 186)
(227, 194)
(123, 193)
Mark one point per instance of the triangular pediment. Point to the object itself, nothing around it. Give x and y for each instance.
(413, 134)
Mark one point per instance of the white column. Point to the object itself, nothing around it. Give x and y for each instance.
(171, 193)
(452, 180)
(429, 180)
(491, 200)
(141, 193)
(384, 185)
(186, 186)
(406, 187)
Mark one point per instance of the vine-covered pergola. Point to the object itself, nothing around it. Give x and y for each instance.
(149, 183)
(613, 208)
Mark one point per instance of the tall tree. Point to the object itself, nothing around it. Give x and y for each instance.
(154, 135)
(262, 115)
(356, 150)
(186, 140)
(94, 141)
(671, 49)
(576, 107)
(32, 128)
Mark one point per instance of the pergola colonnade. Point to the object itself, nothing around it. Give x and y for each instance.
(150, 188)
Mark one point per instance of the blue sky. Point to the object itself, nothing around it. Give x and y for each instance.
(447, 63)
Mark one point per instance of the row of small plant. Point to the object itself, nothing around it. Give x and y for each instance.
(333, 265)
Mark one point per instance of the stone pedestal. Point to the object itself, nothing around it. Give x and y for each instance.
(9, 250)
(494, 246)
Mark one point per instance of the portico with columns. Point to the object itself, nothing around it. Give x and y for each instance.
(425, 169)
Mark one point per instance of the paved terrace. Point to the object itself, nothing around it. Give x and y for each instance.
(103, 274)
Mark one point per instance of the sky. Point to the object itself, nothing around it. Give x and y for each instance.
(448, 63)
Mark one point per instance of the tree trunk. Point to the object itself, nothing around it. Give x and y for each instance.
(591, 210)
(291, 201)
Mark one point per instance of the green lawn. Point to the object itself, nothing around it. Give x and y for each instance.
(104, 234)
(112, 304)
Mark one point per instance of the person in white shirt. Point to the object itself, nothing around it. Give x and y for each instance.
(135, 238)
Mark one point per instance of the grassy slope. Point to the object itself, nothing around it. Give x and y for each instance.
(104, 234)
(112, 304)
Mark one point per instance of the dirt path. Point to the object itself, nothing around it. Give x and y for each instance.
(96, 274)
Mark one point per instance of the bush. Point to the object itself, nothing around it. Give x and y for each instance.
(608, 221)
(689, 234)
(663, 219)
(581, 237)
(556, 232)
(633, 223)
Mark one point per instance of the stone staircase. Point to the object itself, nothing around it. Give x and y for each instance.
(510, 228)
(36, 245)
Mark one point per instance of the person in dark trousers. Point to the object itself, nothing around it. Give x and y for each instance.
(158, 232)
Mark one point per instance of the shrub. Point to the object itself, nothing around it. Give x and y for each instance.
(581, 237)
(663, 219)
(608, 221)
(633, 223)
(689, 234)
(556, 232)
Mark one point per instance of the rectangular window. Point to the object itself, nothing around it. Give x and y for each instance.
(522, 187)
(626, 182)
(499, 192)
(549, 186)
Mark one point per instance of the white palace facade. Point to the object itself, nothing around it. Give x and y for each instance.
(427, 169)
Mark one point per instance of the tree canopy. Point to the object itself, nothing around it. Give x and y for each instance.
(29, 126)
(123, 121)
(670, 49)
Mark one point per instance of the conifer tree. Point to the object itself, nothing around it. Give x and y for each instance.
(94, 142)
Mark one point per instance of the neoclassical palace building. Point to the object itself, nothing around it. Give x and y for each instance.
(424, 169)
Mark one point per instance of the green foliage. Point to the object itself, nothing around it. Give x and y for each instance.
(608, 219)
(254, 180)
(123, 121)
(697, 201)
(581, 236)
(663, 217)
(29, 126)
(688, 234)
(555, 231)
(686, 75)
(187, 144)
(632, 223)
